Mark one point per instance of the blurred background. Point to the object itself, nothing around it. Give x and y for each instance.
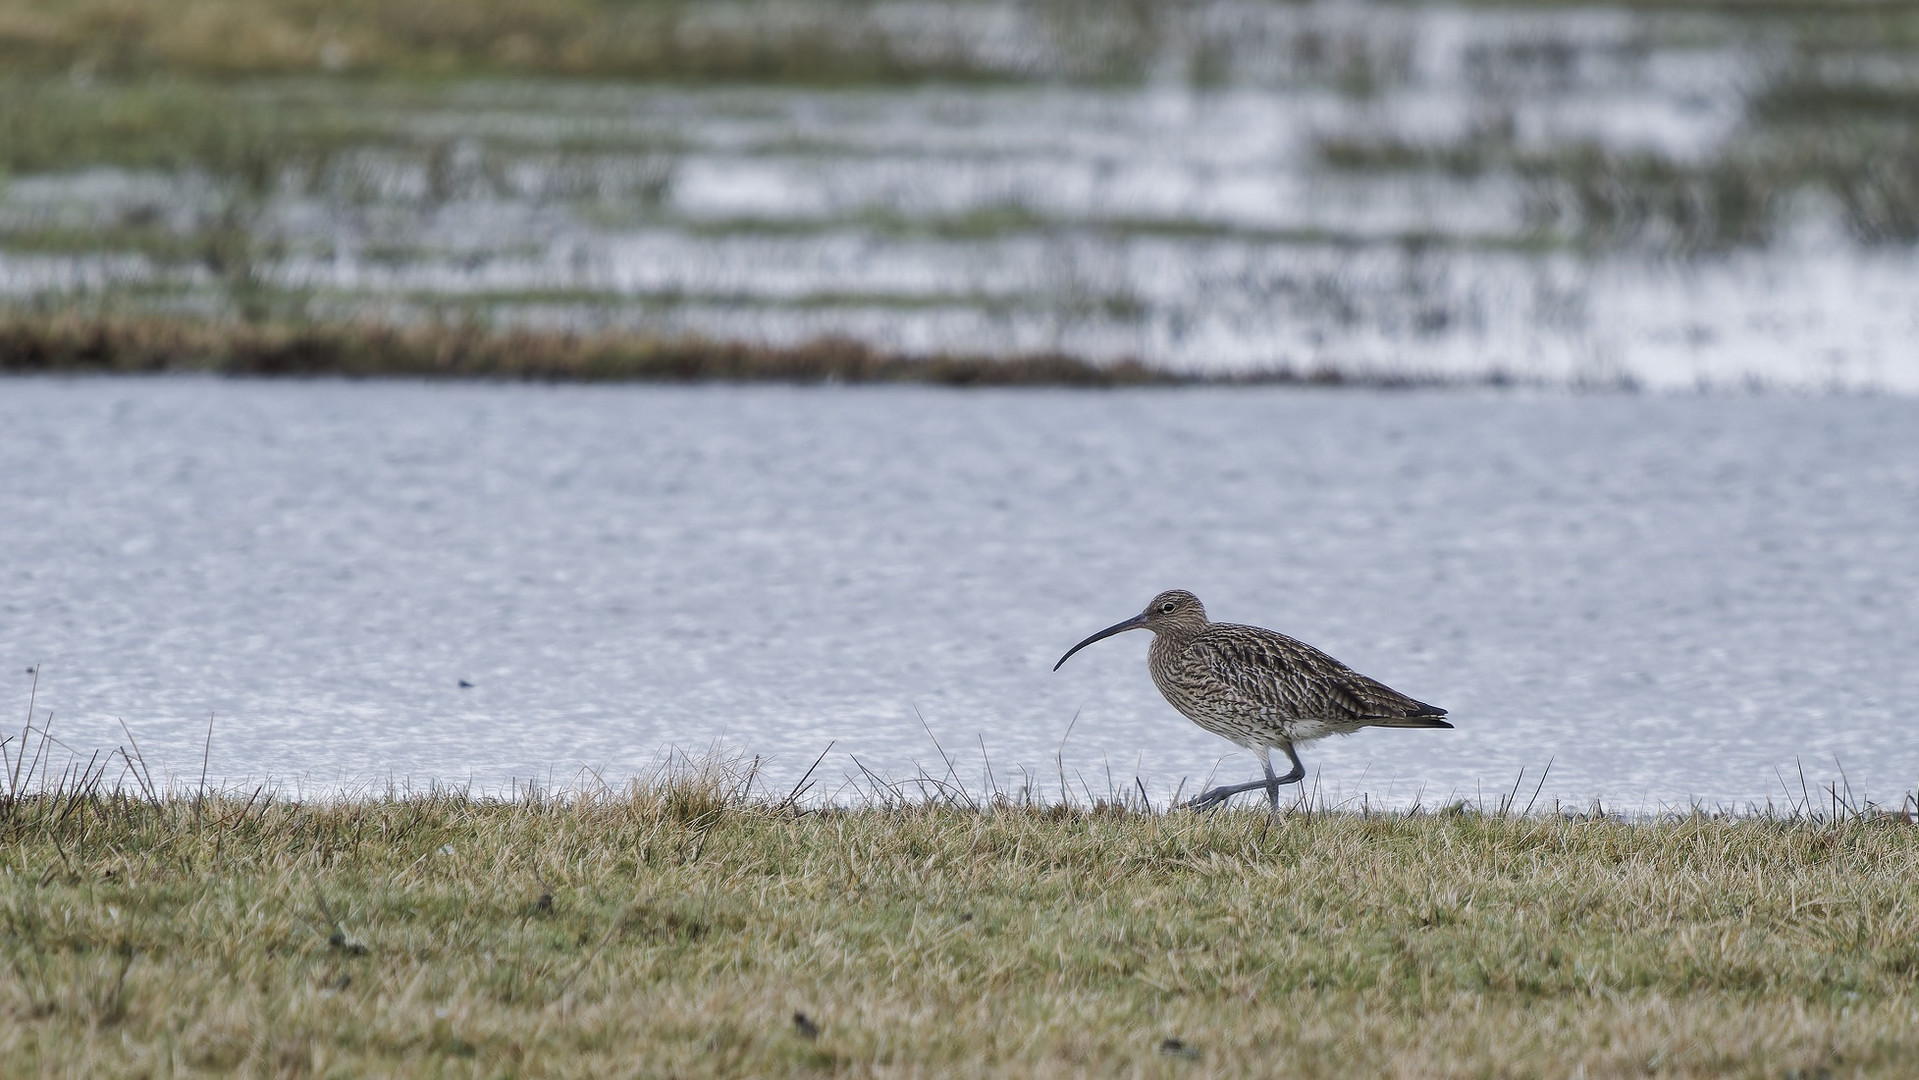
(1663, 195)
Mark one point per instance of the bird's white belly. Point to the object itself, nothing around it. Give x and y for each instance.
(1307, 730)
(1254, 733)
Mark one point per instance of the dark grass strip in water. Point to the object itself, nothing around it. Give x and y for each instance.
(79, 344)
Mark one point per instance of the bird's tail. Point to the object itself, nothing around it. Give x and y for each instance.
(1410, 721)
(1417, 714)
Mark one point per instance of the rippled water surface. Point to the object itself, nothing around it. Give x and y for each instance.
(1669, 598)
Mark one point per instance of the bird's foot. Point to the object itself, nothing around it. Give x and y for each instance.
(1207, 800)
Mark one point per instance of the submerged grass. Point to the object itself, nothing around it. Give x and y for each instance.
(696, 925)
(1591, 197)
(1829, 119)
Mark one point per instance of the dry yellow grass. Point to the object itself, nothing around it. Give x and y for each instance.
(676, 930)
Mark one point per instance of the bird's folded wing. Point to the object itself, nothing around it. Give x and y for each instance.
(1267, 670)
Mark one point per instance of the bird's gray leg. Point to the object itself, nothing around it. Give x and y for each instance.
(1299, 771)
(1208, 799)
(1297, 774)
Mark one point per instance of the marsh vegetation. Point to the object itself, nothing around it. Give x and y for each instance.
(1661, 195)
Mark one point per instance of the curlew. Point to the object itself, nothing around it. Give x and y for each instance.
(1259, 688)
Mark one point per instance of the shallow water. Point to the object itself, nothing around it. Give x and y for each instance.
(1669, 598)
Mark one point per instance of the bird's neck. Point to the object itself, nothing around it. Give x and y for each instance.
(1172, 639)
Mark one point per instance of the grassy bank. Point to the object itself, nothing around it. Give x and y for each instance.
(678, 930)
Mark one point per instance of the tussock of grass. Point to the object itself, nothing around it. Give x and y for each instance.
(681, 927)
(78, 344)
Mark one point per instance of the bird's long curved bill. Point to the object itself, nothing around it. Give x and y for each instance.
(1133, 623)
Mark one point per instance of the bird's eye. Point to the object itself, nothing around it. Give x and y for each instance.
(1167, 607)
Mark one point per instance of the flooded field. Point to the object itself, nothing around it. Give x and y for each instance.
(1667, 598)
(1662, 197)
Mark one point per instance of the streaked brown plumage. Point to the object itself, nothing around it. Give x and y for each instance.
(1259, 688)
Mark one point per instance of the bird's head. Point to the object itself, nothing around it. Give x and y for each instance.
(1175, 612)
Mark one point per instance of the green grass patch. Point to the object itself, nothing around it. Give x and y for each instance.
(684, 928)
(172, 125)
(833, 42)
(821, 42)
